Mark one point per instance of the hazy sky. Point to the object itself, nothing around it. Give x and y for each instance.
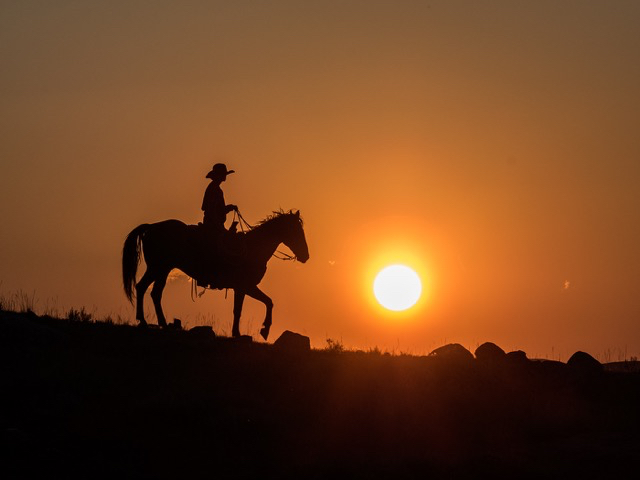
(491, 145)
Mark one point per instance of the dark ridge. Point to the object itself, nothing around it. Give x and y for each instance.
(93, 400)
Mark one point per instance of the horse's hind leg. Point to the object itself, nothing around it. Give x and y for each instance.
(141, 289)
(238, 299)
(156, 296)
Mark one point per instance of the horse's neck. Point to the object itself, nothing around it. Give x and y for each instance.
(263, 240)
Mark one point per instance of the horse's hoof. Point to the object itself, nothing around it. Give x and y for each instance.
(264, 332)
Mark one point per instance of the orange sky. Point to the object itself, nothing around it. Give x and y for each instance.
(495, 146)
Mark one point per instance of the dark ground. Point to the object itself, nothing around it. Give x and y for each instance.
(88, 400)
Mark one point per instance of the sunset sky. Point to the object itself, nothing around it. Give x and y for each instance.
(492, 146)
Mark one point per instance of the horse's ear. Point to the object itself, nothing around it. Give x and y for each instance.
(298, 213)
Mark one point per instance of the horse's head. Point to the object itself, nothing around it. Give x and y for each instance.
(294, 236)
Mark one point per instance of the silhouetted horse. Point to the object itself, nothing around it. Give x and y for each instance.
(173, 244)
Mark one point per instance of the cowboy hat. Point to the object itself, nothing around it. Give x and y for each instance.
(219, 170)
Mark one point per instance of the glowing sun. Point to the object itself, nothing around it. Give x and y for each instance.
(397, 287)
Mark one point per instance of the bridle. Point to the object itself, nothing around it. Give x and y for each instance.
(280, 255)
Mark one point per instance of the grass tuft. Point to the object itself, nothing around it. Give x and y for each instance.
(334, 346)
(79, 315)
(20, 302)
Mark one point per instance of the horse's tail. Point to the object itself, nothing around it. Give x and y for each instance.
(131, 258)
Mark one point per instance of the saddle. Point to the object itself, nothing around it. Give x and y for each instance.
(220, 251)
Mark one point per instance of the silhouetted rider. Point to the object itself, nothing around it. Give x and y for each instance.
(213, 205)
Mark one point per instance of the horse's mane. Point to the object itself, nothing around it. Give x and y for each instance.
(277, 214)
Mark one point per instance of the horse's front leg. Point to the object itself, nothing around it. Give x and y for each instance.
(255, 292)
(238, 300)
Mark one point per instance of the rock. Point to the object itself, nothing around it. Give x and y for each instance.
(584, 363)
(293, 342)
(452, 351)
(517, 357)
(203, 331)
(552, 369)
(489, 352)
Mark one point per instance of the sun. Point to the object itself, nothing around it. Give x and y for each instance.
(397, 287)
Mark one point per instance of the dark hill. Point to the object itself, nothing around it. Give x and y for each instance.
(82, 399)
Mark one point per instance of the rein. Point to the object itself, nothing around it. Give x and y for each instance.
(284, 256)
(280, 255)
(244, 227)
(241, 221)
(194, 290)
